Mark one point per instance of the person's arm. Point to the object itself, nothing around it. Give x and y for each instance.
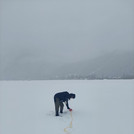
(67, 105)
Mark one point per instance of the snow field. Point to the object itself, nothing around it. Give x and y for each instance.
(100, 107)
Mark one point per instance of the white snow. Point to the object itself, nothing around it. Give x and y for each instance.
(100, 107)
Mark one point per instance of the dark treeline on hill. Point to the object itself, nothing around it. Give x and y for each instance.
(90, 77)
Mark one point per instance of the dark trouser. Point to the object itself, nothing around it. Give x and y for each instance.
(58, 104)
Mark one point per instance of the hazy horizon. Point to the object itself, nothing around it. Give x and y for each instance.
(63, 31)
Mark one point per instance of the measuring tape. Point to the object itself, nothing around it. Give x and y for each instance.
(70, 125)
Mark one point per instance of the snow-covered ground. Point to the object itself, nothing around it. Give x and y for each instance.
(100, 107)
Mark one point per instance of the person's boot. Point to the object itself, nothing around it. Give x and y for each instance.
(57, 114)
(61, 111)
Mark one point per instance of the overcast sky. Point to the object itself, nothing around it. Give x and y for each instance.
(64, 30)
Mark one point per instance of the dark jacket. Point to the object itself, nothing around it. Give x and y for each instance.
(63, 97)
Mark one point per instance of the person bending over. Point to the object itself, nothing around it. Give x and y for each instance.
(61, 97)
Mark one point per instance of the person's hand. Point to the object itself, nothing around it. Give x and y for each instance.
(70, 109)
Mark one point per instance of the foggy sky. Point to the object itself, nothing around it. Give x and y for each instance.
(64, 30)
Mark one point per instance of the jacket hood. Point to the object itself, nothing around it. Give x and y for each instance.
(71, 95)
